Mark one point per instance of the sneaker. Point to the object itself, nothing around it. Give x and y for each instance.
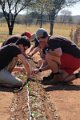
(48, 77)
(77, 75)
(50, 82)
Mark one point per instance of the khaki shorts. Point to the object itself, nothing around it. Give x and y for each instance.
(7, 78)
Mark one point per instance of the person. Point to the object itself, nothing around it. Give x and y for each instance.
(34, 49)
(14, 38)
(9, 54)
(27, 34)
(62, 56)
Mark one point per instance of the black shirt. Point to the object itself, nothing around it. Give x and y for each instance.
(67, 46)
(7, 53)
(12, 39)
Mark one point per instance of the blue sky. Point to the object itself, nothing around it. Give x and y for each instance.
(75, 9)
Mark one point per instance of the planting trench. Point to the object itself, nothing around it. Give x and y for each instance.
(32, 103)
(38, 102)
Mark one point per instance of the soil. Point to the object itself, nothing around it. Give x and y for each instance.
(40, 102)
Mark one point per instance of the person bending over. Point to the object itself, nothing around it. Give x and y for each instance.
(62, 56)
(14, 38)
(9, 54)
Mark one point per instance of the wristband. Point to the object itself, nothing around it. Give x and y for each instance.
(40, 70)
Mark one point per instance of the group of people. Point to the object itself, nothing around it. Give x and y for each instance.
(58, 54)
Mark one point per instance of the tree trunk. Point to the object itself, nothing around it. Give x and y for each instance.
(10, 30)
(10, 18)
(51, 18)
(51, 27)
(41, 19)
(11, 26)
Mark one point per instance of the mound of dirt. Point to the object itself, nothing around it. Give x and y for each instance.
(41, 102)
(35, 106)
(32, 103)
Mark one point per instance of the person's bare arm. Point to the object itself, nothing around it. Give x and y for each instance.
(19, 69)
(57, 52)
(26, 65)
(35, 50)
(31, 49)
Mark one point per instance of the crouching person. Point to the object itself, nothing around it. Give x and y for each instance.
(62, 56)
(9, 54)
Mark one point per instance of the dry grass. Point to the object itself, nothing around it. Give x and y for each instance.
(59, 29)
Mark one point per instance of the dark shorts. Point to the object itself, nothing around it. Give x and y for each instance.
(69, 63)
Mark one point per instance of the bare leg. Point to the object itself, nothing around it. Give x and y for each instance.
(40, 62)
(71, 77)
(65, 77)
(52, 63)
(8, 80)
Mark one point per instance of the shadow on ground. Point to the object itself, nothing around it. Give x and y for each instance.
(5, 89)
(62, 87)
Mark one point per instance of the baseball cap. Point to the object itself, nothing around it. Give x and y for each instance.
(27, 34)
(41, 33)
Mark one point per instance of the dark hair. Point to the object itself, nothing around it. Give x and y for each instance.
(23, 34)
(44, 35)
(11, 39)
(41, 33)
(24, 41)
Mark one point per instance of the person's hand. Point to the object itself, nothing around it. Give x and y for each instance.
(28, 56)
(18, 69)
(35, 71)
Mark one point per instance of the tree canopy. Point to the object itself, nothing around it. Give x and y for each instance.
(11, 8)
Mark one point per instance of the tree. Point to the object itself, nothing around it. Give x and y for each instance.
(10, 9)
(66, 16)
(54, 6)
(77, 35)
(39, 6)
(51, 7)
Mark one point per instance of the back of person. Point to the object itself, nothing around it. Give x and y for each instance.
(62, 56)
(8, 52)
(70, 58)
(67, 46)
(12, 39)
(9, 55)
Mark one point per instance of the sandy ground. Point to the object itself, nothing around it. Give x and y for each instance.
(5, 102)
(65, 98)
(6, 97)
